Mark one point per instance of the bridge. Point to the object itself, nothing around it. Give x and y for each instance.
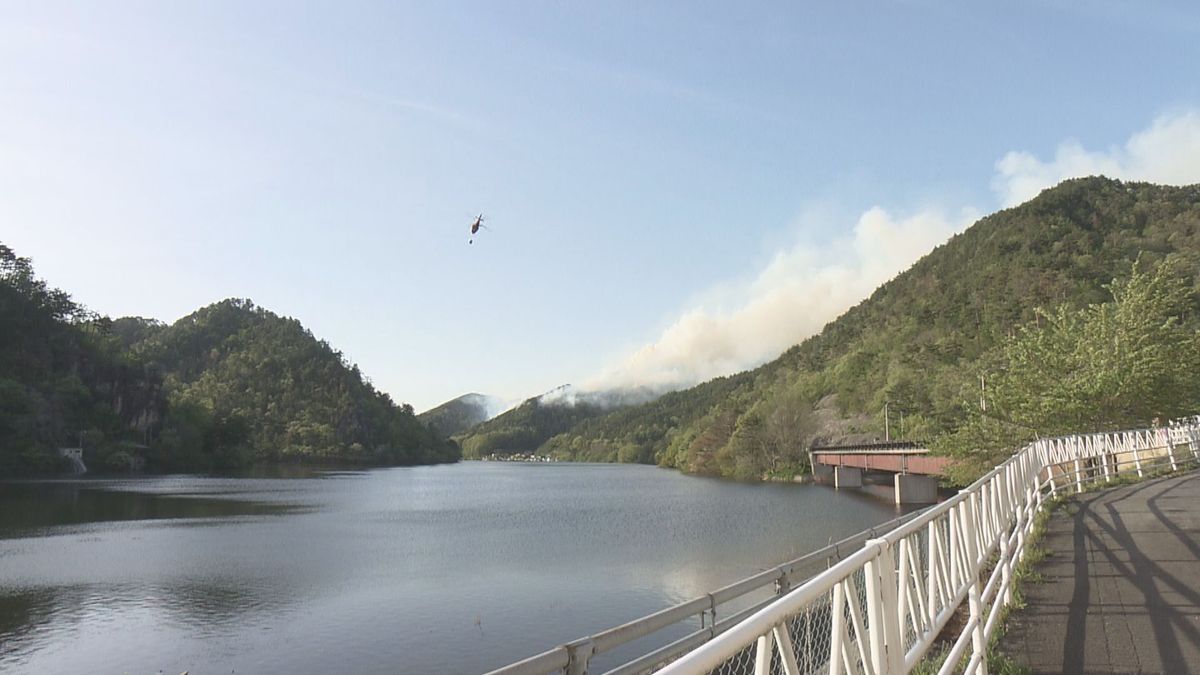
(913, 466)
(877, 603)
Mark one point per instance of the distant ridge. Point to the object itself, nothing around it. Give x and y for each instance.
(459, 414)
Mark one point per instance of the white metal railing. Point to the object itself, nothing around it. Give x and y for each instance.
(879, 610)
(698, 620)
(846, 618)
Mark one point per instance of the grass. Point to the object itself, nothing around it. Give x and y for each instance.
(1023, 573)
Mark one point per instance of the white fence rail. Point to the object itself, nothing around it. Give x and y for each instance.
(679, 629)
(881, 609)
(885, 595)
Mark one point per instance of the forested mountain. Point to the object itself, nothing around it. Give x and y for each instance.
(459, 414)
(234, 383)
(63, 377)
(922, 342)
(229, 385)
(526, 427)
(644, 429)
(530, 425)
(293, 396)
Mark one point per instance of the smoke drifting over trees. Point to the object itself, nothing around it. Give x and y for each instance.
(808, 285)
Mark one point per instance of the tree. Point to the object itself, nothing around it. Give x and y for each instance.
(1111, 365)
(1118, 364)
(787, 428)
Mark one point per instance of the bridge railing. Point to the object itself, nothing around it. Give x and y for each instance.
(881, 609)
(685, 626)
(899, 583)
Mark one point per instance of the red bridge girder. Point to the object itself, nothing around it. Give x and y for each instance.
(920, 462)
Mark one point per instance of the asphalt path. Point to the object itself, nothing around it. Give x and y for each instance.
(1120, 590)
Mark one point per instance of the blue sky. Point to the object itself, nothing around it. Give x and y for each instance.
(674, 190)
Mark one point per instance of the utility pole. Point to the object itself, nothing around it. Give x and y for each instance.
(886, 434)
(982, 393)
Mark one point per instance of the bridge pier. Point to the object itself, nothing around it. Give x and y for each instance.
(914, 489)
(847, 476)
(822, 473)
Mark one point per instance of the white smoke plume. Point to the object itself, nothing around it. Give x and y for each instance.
(608, 397)
(805, 287)
(1168, 152)
(793, 297)
(490, 405)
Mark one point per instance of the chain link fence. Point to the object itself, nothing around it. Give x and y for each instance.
(881, 609)
(876, 602)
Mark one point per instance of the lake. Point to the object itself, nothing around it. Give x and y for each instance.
(444, 569)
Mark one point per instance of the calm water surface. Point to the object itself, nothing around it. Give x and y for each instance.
(446, 569)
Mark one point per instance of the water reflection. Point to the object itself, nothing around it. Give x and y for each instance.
(214, 606)
(428, 569)
(26, 508)
(20, 615)
(292, 471)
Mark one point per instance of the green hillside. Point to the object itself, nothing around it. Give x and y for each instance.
(526, 427)
(458, 414)
(920, 343)
(229, 385)
(292, 397)
(63, 378)
(639, 433)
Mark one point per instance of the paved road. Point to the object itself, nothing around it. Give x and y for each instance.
(1122, 584)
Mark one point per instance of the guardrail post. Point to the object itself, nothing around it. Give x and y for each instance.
(1115, 445)
(978, 640)
(933, 555)
(1028, 513)
(1171, 453)
(782, 583)
(837, 629)
(762, 655)
(887, 652)
(1006, 558)
(1016, 482)
(978, 644)
(954, 547)
(1137, 458)
(580, 653)
(905, 602)
(873, 589)
(787, 652)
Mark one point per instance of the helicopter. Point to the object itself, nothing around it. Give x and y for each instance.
(475, 226)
